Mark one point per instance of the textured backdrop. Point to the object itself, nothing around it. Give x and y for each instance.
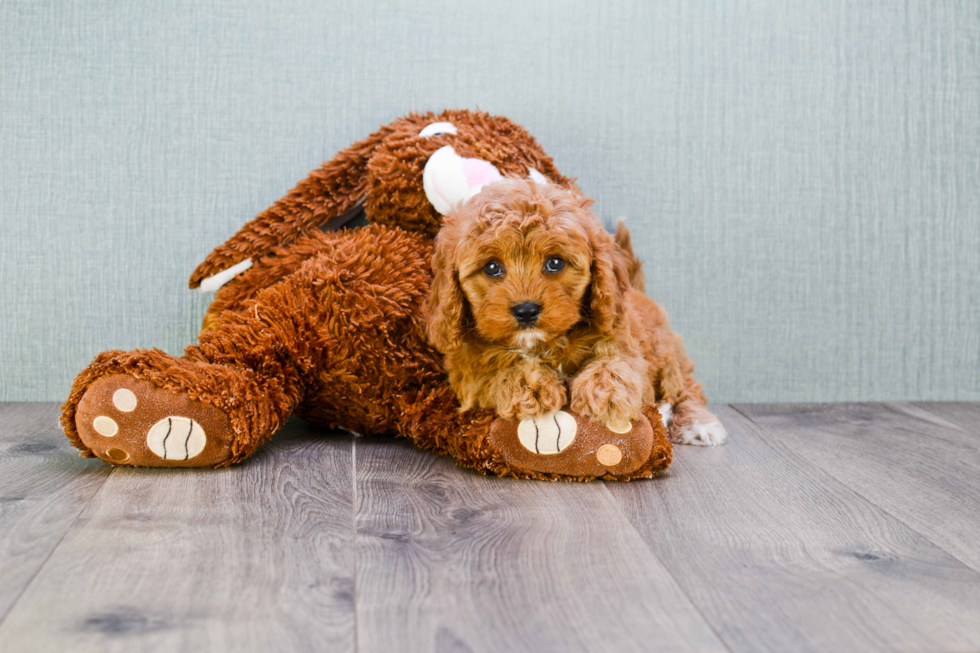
(802, 178)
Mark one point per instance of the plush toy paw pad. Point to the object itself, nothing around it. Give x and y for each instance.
(623, 427)
(105, 426)
(185, 437)
(125, 400)
(548, 434)
(117, 455)
(609, 455)
(127, 421)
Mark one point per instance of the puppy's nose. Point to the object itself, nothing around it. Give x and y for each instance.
(526, 312)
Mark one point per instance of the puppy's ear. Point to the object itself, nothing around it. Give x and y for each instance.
(446, 304)
(610, 282)
(624, 243)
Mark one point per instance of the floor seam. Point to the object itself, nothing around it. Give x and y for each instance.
(855, 491)
(57, 546)
(667, 569)
(353, 476)
(889, 405)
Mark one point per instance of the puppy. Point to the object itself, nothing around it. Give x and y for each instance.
(535, 306)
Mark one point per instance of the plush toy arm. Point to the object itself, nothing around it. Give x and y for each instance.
(334, 189)
(215, 281)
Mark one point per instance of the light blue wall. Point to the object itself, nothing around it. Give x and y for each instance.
(803, 178)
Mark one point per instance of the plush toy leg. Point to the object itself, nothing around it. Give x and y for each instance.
(213, 407)
(337, 328)
(149, 409)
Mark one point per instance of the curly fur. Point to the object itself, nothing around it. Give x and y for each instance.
(329, 325)
(599, 343)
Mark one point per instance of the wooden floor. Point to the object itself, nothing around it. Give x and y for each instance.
(821, 527)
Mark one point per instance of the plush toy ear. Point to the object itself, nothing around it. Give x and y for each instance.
(610, 282)
(333, 191)
(446, 305)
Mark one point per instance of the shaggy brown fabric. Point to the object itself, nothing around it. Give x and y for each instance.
(329, 325)
(384, 170)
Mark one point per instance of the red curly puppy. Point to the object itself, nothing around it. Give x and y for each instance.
(535, 306)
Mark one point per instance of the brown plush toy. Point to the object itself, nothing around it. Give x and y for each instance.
(328, 324)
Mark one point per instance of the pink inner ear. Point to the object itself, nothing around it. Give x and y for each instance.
(479, 172)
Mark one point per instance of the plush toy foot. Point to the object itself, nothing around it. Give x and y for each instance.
(566, 445)
(127, 421)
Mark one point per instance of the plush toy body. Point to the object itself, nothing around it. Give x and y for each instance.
(329, 325)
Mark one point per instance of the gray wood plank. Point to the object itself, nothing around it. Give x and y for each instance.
(918, 467)
(44, 486)
(450, 560)
(255, 557)
(780, 556)
(964, 414)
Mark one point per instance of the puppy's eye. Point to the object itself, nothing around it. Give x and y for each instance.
(493, 269)
(554, 265)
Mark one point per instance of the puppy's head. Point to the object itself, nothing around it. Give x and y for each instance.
(520, 265)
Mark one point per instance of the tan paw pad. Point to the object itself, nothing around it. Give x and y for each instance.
(117, 455)
(609, 455)
(124, 400)
(105, 426)
(621, 427)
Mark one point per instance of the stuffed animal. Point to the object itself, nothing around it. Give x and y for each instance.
(326, 321)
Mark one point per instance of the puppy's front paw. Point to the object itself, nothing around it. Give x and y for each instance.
(530, 395)
(608, 391)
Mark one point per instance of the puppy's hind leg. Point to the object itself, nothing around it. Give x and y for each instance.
(692, 423)
(682, 404)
